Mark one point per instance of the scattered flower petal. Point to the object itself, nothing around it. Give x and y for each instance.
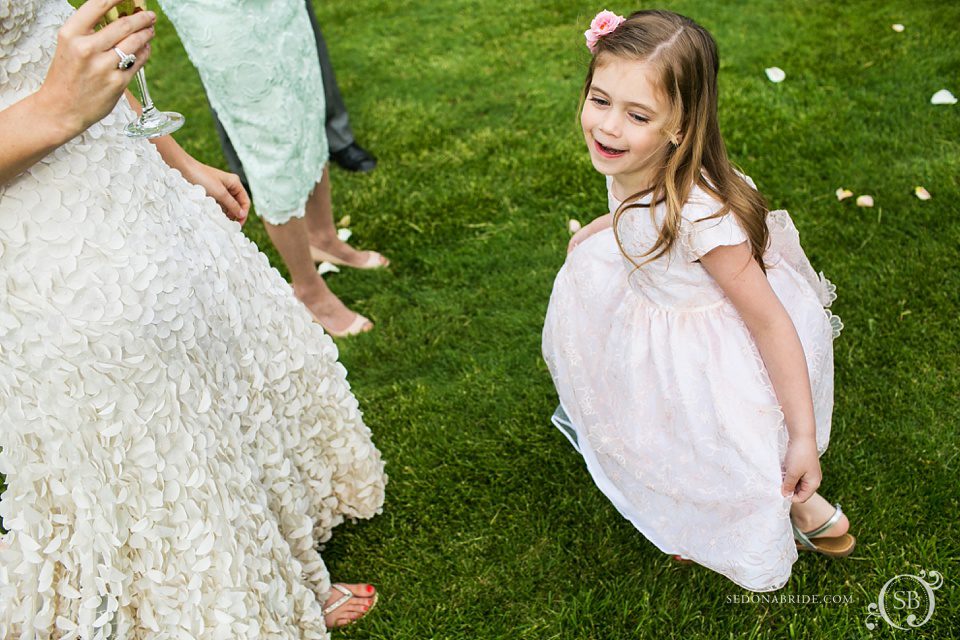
(898, 28)
(865, 201)
(775, 74)
(843, 194)
(344, 234)
(943, 97)
(573, 225)
(344, 221)
(922, 193)
(327, 267)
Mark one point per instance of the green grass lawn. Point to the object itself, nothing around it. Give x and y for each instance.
(492, 528)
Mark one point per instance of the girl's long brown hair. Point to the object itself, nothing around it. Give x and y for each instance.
(686, 60)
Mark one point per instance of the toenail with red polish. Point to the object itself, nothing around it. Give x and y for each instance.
(369, 588)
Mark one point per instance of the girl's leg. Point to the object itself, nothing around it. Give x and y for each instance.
(290, 239)
(322, 232)
(814, 512)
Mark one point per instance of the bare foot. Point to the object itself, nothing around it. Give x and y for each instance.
(327, 309)
(814, 512)
(361, 599)
(338, 252)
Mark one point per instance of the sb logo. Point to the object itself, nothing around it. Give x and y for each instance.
(906, 601)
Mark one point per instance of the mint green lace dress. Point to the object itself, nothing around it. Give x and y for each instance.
(258, 63)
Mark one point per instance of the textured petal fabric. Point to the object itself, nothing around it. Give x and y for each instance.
(663, 392)
(177, 436)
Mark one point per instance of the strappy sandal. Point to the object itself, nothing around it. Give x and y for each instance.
(344, 599)
(356, 328)
(374, 260)
(833, 547)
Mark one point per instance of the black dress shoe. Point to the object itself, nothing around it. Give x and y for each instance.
(354, 158)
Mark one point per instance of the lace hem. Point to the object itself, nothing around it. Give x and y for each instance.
(299, 211)
(785, 241)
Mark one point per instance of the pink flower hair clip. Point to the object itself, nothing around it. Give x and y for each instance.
(602, 24)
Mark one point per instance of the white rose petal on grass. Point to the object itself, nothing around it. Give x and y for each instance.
(344, 234)
(922, 193)
(327, 267)
(843, 194)
(865, 201)
(573, 225)
(943, 97)
(775, 74)
(898, 27)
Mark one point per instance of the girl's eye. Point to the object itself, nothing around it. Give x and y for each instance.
(599, 101)
(636, 117)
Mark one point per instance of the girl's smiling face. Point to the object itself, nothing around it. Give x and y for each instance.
(622, 119)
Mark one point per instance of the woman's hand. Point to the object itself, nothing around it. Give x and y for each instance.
(801, 469)
(223, 187)
(82, 85)
(593, 227)
(84, 81)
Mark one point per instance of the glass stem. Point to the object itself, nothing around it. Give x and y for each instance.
(144, 93)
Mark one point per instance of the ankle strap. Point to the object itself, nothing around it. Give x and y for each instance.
(804, 538)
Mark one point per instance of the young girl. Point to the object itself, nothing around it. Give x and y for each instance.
(687, 334)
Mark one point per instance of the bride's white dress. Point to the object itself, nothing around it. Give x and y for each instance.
(663, 391)
(177, 436)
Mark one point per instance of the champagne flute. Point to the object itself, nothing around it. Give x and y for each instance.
(151, 123)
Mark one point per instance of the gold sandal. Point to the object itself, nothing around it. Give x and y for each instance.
(360, 324)
(374, 259)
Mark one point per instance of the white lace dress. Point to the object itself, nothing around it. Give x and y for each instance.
(663, 391)
(177, 436)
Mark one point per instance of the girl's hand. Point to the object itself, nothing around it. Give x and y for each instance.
(223, 187)
(747, 287)
(84, 82)
(585, 232)
(801, 470)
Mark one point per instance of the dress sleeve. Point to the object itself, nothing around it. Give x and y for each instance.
(699, 236)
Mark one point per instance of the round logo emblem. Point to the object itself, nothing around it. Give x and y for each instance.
(906, 601)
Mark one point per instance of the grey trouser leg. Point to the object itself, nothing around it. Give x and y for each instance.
(339, 133)
(228, 151)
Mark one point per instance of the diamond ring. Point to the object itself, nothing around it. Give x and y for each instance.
(127, 60)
